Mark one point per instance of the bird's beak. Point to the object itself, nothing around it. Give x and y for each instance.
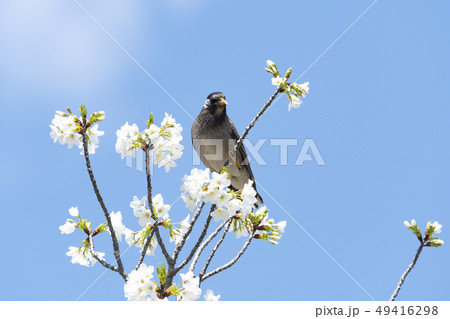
(222, 101)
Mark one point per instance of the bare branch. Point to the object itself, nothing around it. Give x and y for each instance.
(144, 250)
(181, 243)
(197, 244)
(227, 227)
(150, 206)
(410, 267)
(231, 262)
(207, 241)
(102, 204)
(252, 123)
(101, 261)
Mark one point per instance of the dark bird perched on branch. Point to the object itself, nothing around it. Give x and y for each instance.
(214, 137)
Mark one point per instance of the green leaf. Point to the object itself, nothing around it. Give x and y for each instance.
(287, 75)
(173, 290)
(96, 117)
(150, 121)
(162, 273)
(226, 169)
(83, 111)
(62, 114)
(101, 228)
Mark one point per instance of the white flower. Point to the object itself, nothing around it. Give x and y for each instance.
(72, 138)
(191, 203)
(434, 228)
(185, 224)
(234, 205)
(248, 197)
(436, 242)
(191, 287)
(220, 180)
(129, 236)
(140, 285)
(73, 211)
(408, 225)
(239, 229)
(190, 293)
(127, 137)
(211, 193)
(82, 255)
(137, 203)
(192, 186)
(93, 133)
(270, 64)
(68, 227)
(223, 199)
(62, 130)
(165, 141)
(139, 238)
(161, 210)
(140, 211)
(188, 278)
(294, 102)
(145, 217)
(240, 232)
(152, 133)
(116, 221)
(280, 226)
(221, 214)
(304, 87)
(209, 296)
(167, 147)
(149, 288)
(277, 81)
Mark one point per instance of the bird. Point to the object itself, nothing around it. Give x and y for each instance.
(214, 137)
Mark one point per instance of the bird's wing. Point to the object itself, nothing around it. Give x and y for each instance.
(241, 154)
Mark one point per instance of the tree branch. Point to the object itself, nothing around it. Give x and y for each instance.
(144, 250)
(102, 204)
(101, 261)
(231, 262)
(181, 243)
(227, 227)
(207, 241)
(411, 266)
(252, 123)
(150, 206)
(197, 244)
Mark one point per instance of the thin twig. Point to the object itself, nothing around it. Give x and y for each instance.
(182, 241)
(411, 266)
(150, 206)
(227, 227)
(231, 262)
(144, 250)
(172, 271)
(252, 123)
(207, 241)
(101, 261)
(200, 239)
(102, 204)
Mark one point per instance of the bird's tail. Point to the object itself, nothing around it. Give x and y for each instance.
(259, 199)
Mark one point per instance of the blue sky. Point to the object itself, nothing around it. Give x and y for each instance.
(377, 111)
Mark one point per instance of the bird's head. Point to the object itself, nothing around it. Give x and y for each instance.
(216, 104)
